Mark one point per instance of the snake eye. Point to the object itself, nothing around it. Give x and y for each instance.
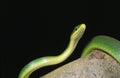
(76, 28)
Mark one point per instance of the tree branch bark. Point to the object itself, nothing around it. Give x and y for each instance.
(97, 64)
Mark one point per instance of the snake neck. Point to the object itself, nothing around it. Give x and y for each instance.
(69, 50)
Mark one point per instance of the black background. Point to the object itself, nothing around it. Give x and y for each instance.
(4, 8)
(47, 32)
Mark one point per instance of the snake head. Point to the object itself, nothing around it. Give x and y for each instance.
(78, 32)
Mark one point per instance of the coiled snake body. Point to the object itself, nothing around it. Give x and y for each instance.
(105, 43)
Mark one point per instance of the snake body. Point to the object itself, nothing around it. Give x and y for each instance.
(105, 43)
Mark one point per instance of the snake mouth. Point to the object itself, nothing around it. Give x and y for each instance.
(81, 29)
(78, 31)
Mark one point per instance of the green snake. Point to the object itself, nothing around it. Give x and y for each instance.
(105, 43)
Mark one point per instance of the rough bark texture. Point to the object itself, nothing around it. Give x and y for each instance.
(97, 64)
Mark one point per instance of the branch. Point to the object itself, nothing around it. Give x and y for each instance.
(97, 64)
